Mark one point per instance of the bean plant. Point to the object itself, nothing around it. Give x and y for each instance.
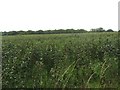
(81, 60)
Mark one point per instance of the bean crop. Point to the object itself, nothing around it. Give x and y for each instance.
(85, 60)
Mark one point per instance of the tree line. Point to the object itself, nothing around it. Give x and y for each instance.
(59, 31)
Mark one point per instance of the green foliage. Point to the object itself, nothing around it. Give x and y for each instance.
(98, 30)
(110, 30)
(43, 32)
(85, 60)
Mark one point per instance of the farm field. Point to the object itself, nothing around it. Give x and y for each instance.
(83, 60)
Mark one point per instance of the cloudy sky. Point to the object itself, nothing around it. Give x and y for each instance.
(58, 14)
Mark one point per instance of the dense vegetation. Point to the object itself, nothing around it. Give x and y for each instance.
(85, 60)
(60, 31)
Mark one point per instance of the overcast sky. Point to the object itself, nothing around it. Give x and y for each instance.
(58, 14)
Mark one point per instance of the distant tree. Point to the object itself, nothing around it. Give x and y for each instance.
(69, 30)
(48, 31)
(21, 32)
(39, 32)
(98, 30)
(44, 32)
(30, 32)
(59, 31)
(110, 30)
(12, 33)
(81, 30)
(4, 33)
(93, 30)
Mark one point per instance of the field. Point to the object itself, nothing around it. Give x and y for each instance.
(85, 60)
